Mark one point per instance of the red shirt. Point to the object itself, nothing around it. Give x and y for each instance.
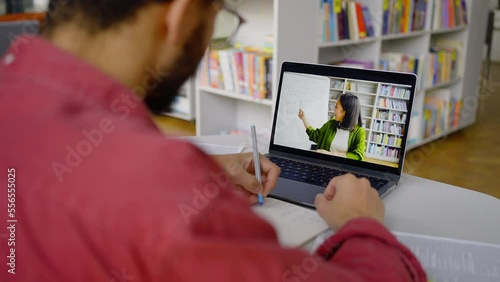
(101, 195)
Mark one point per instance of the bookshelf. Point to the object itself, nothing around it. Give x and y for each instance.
(383, 109)
(296, 26)
(22, 17)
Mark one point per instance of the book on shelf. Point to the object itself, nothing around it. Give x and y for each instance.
(344, 20)
(454, 113)
(388, 127)
(419, 15)
(353, 23)
(457, 45)
(449, 14)
(414, 132)
(246, 71)
(367, 16)
(390, 140)
(401, 62)
(387, 103)
(435, 115)
(395, 92)
(386, 115)
(361, 20)
(383, 151)
(444, 63)
(403, 16)
(337, 84)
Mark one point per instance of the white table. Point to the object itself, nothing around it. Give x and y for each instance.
(422, 206)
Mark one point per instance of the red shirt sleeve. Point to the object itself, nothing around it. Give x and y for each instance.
(367, 247)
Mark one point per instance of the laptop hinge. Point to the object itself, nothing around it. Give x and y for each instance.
(342, 167)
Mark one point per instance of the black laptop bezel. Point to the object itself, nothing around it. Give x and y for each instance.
(349, 73)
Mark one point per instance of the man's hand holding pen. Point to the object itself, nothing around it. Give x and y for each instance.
(241, 169)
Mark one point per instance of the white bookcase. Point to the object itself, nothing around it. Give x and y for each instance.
(296, 28)
(384, 112)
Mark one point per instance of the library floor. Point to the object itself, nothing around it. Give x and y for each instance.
(468, 158)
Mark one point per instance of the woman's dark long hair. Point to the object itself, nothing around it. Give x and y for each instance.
(352, 109)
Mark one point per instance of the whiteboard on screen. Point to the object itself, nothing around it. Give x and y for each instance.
(309, 92)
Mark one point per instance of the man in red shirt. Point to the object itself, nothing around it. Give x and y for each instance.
(93, 191)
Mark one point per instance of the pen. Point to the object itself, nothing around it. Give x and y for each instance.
(256, 161)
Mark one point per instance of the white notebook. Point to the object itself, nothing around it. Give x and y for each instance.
(295, 225)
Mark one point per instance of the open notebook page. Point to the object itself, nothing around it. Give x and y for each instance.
(294, 225)
(447, 259)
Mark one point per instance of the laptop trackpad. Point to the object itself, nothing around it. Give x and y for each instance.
(296, 192)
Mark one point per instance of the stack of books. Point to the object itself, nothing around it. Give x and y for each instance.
(343, 20)
(403, 16)
(449, 14)
(246, 71)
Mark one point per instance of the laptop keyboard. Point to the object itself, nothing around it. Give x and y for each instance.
(314, 174)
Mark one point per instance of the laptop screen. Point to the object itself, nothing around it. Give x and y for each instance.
(332, 113)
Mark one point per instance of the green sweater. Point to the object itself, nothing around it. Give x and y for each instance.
(324, 137)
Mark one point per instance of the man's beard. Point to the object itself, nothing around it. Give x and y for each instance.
(159, 100)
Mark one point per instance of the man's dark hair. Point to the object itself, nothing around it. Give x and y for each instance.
(92, 15)
(352, 108)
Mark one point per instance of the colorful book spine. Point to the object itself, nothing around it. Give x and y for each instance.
(370, 31)
(344, 20)
(403, 16)
(245, 71)
(340, 20)
(361, 21)
(449, 14)
(214, 71)
(385, 17)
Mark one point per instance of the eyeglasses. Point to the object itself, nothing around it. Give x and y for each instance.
(227, 25)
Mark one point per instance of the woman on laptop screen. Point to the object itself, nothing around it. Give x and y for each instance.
(342, 136)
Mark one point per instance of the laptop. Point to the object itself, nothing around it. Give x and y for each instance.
(308, 156)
